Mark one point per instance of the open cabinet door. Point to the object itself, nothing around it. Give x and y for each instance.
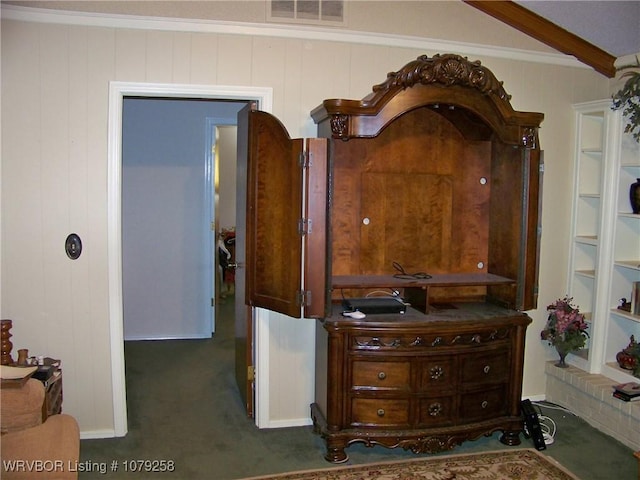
(273, 171)
(273, 215)
(316, 267)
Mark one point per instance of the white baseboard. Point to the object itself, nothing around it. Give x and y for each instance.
(97, 434)
(136, 338)
(290, 422)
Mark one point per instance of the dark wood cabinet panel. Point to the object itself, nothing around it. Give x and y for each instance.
(274, 199)
(286, 205)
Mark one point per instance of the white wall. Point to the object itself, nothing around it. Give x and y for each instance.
(227, 159)
(55, 82)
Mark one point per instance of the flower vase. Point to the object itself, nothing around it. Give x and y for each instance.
(562, 351)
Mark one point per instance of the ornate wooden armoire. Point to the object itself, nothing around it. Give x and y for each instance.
(426, 190)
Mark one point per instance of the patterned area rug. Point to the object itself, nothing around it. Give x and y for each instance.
(527, 464)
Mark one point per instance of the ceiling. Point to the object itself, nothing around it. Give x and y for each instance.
(613, 26)
(595, 32)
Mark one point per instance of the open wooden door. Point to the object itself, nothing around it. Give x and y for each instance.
(243, 313)
(273, 214)
(272, 174)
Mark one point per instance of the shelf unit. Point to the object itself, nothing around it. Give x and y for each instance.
(604, 259)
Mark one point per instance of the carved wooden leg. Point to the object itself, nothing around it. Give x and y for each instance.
(511, 438)
(5, 343)
(335, 451)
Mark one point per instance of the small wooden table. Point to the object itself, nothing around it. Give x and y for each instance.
(53, 395)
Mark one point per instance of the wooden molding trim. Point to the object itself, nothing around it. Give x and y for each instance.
(548, 33)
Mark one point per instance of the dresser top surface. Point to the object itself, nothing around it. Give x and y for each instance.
(450, 314)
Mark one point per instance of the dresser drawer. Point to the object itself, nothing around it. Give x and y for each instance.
(380, 412)
(437, 411)
(394, 375)
(484, 404)
(437, 373)
(485, 368)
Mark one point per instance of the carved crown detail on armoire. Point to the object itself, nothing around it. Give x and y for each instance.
(426, 190)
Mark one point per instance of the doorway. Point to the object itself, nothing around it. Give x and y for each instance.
(222, 146)
(117, 93)
(178, 192)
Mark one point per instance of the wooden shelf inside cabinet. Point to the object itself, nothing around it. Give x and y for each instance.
(439, 280)
(417, 291)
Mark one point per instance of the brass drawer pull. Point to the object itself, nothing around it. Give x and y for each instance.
(436, 372)
(485, 404)
(486, 369)
(382, 375)
(381, 412)
(435, 409)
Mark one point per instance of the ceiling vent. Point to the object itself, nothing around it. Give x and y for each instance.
(316, 12)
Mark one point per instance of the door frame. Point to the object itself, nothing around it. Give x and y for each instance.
(117, 92)
(211, 124)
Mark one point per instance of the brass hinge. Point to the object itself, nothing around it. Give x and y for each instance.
(303, 160)
(304, 226)
(251, 373)
(304, 298)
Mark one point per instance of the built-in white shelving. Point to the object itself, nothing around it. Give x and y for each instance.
(604, 259)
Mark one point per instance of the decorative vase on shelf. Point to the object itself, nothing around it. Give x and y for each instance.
(629, 357)
(23, 353)
(626, 361)
(562, 350)
(634, 196)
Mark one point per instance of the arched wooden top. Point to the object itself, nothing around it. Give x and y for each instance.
(465, 92)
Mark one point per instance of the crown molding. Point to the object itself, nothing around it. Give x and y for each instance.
(37, 15)
(548, 33)
(632, 60)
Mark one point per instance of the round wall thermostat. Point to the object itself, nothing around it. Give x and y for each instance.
(73, 246)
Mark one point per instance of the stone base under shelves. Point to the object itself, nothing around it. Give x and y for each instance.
(590, 397)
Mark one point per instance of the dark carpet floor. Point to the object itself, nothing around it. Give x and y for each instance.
(185, 412)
